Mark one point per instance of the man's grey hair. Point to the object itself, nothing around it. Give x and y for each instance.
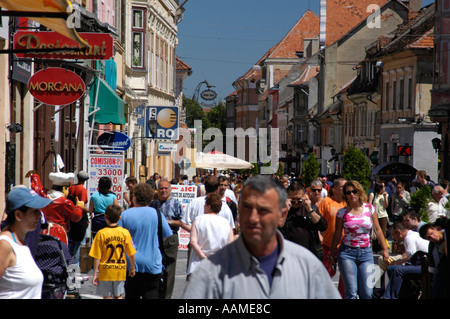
(437, 189)
(263, 183)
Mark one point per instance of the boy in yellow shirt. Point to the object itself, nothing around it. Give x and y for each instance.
(108, 250)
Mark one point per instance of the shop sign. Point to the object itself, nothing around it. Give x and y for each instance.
(114, 142)
(100, 45)
(56, 86)
(167, 122)
(167, 147)
(208, 95)
(109, 165)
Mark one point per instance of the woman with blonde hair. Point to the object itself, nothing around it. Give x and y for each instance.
(355, 255)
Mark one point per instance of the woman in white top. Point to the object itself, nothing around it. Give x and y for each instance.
(209, 232)
(381, 203)
(20, 277)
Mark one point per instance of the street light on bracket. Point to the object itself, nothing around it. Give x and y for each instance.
(197, 89)
(152, 127)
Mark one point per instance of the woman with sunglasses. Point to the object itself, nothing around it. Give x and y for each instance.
(355, 255)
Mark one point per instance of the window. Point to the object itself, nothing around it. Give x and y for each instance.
(402, 93)
(386, 96)
(410, 94)
(394, 95)
(138, 39)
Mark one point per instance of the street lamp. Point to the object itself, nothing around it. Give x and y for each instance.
(436, 144)
(152, 127)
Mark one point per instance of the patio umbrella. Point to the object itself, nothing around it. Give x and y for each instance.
(220, 161)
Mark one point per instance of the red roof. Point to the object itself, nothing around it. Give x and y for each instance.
(308, 26)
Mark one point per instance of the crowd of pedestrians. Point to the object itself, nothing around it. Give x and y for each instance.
(250, 237)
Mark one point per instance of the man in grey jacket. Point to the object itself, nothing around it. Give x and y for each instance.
(261, 263)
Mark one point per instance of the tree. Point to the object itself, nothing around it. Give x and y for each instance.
(356, 167)
(419, 201)
(310, 169)
(193, 112)
(218, 116)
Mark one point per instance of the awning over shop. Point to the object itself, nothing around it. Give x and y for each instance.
(54, 14)
(108, 106)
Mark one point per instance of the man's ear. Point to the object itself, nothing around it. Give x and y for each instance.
(284, 212)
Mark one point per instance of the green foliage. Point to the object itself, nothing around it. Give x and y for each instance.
(215, 117)
(356, 167)
(253, 170)
(419, 201)
(310, 169)
(193, 112)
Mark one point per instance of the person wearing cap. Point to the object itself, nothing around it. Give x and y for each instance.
(77, 231)
(78, 189)
(62, 210)
(20, 277)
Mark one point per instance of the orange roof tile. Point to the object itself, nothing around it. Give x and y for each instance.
(344, 15)
(306, 27)
(181, 65)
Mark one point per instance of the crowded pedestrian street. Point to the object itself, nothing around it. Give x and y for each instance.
(202, 151)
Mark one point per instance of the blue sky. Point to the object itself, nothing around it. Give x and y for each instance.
(221, 40)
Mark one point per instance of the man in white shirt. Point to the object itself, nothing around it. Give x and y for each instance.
(398, 270)
(196, 206)
(436, 206)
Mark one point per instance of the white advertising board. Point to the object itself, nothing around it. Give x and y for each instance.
(185, 194)
(110, 165)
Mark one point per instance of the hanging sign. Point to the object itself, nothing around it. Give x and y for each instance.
(208, 95)
(100, 45)
(114, 142)
(56, 86)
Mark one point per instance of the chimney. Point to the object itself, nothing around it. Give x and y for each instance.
(414, 7)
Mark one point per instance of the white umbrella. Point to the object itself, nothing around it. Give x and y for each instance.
(220, 161)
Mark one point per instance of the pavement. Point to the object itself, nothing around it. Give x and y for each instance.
(88, 290)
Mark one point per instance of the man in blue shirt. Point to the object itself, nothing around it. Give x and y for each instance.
(142, 223)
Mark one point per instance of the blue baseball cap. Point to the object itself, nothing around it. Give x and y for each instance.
(22, 196)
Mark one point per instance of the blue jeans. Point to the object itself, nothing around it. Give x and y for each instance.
(357, 269)
(397, 274)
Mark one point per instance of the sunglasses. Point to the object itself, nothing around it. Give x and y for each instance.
(296, 201)
(350, 192)
(316, 190)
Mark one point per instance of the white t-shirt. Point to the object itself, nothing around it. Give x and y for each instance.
(23, 280)
(197, 207)
(212, 234)
(413, 243)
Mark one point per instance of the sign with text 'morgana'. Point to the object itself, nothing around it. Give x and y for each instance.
(100, 45)
(56, 86)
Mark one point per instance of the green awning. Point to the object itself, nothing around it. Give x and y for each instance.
(111, 108)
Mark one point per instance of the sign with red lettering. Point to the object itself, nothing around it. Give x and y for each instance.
(111, 166)
(56, 86)
(100, 45)
(185, 194)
